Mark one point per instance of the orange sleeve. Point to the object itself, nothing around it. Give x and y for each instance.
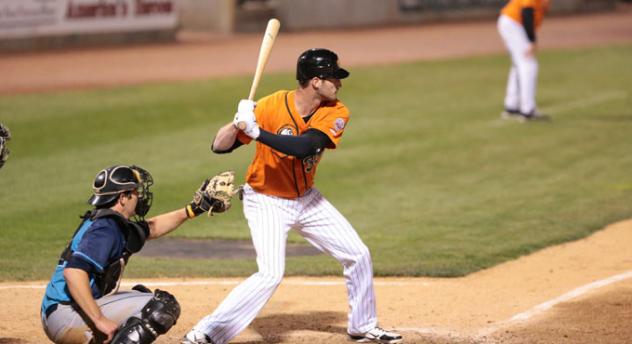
(243, 138)
(528, 3)
(332, 123)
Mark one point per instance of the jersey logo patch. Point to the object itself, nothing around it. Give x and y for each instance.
(339, 124)
(286, 130)
(310, 162)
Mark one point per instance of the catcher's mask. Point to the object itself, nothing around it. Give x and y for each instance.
(320, 63)
(112, 181)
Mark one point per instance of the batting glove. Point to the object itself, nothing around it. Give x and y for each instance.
(246, 105)
(248, 118)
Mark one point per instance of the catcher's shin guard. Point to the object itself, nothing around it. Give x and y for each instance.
(157, 317)
(134, 331)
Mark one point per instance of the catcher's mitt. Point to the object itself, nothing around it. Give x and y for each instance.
(214, 196)
(5, 135)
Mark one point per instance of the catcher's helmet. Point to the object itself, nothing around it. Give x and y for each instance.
(321, 63)
(112, 181)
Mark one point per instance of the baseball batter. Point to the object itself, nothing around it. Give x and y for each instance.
(517, 24)
(292, 130)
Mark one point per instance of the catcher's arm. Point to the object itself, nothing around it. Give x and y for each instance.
(214, 196)
(165, 223)
(79, 287)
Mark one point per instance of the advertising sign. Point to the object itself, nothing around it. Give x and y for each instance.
(37, 18)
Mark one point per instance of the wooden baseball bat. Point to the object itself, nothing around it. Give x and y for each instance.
(264, 52)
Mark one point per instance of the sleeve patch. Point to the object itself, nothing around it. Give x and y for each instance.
(339, 124)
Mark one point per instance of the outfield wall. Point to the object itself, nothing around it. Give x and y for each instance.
(35, 24)
(296, 15)
(308, 14)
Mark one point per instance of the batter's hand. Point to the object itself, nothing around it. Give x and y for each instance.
(245, 114)
(246, 105)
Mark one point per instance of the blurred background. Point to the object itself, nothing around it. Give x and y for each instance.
(36, 24)
(435, 183)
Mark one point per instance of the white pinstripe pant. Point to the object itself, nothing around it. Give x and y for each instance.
(270, 219)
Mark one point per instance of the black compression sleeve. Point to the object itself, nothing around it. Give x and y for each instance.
(529, 23)
(235, 145)
(309, 143)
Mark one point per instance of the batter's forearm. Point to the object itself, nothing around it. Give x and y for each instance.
(225, 138)
(310, 143)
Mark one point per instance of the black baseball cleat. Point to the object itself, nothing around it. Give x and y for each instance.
(534, 116)
(377, 335)
(510, 114)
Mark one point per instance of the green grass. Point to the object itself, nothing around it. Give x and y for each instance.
(428, 176)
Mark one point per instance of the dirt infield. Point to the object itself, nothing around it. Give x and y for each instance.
(579, 292)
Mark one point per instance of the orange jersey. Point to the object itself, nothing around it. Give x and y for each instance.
(277, 174)
(513, 10)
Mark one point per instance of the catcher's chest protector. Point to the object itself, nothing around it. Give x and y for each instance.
(135, 237)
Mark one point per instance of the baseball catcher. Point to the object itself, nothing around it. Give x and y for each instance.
(5, 135)
(82, 302)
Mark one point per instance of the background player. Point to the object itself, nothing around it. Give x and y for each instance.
(5, 135)
(517, 24)
(82, 303)
(292, 130)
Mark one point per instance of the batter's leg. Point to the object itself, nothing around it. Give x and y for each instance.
(324, 227)
(269, 225)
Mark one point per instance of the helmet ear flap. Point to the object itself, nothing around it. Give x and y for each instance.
(100, 180)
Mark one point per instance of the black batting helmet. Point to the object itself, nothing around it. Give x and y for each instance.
(321, 63)
(112, 181)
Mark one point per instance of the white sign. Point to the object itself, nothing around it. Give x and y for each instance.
(37, 18)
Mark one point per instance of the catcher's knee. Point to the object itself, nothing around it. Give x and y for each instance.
(157, 317)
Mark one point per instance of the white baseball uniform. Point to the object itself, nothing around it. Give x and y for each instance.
(523, 75)
(279, 196)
